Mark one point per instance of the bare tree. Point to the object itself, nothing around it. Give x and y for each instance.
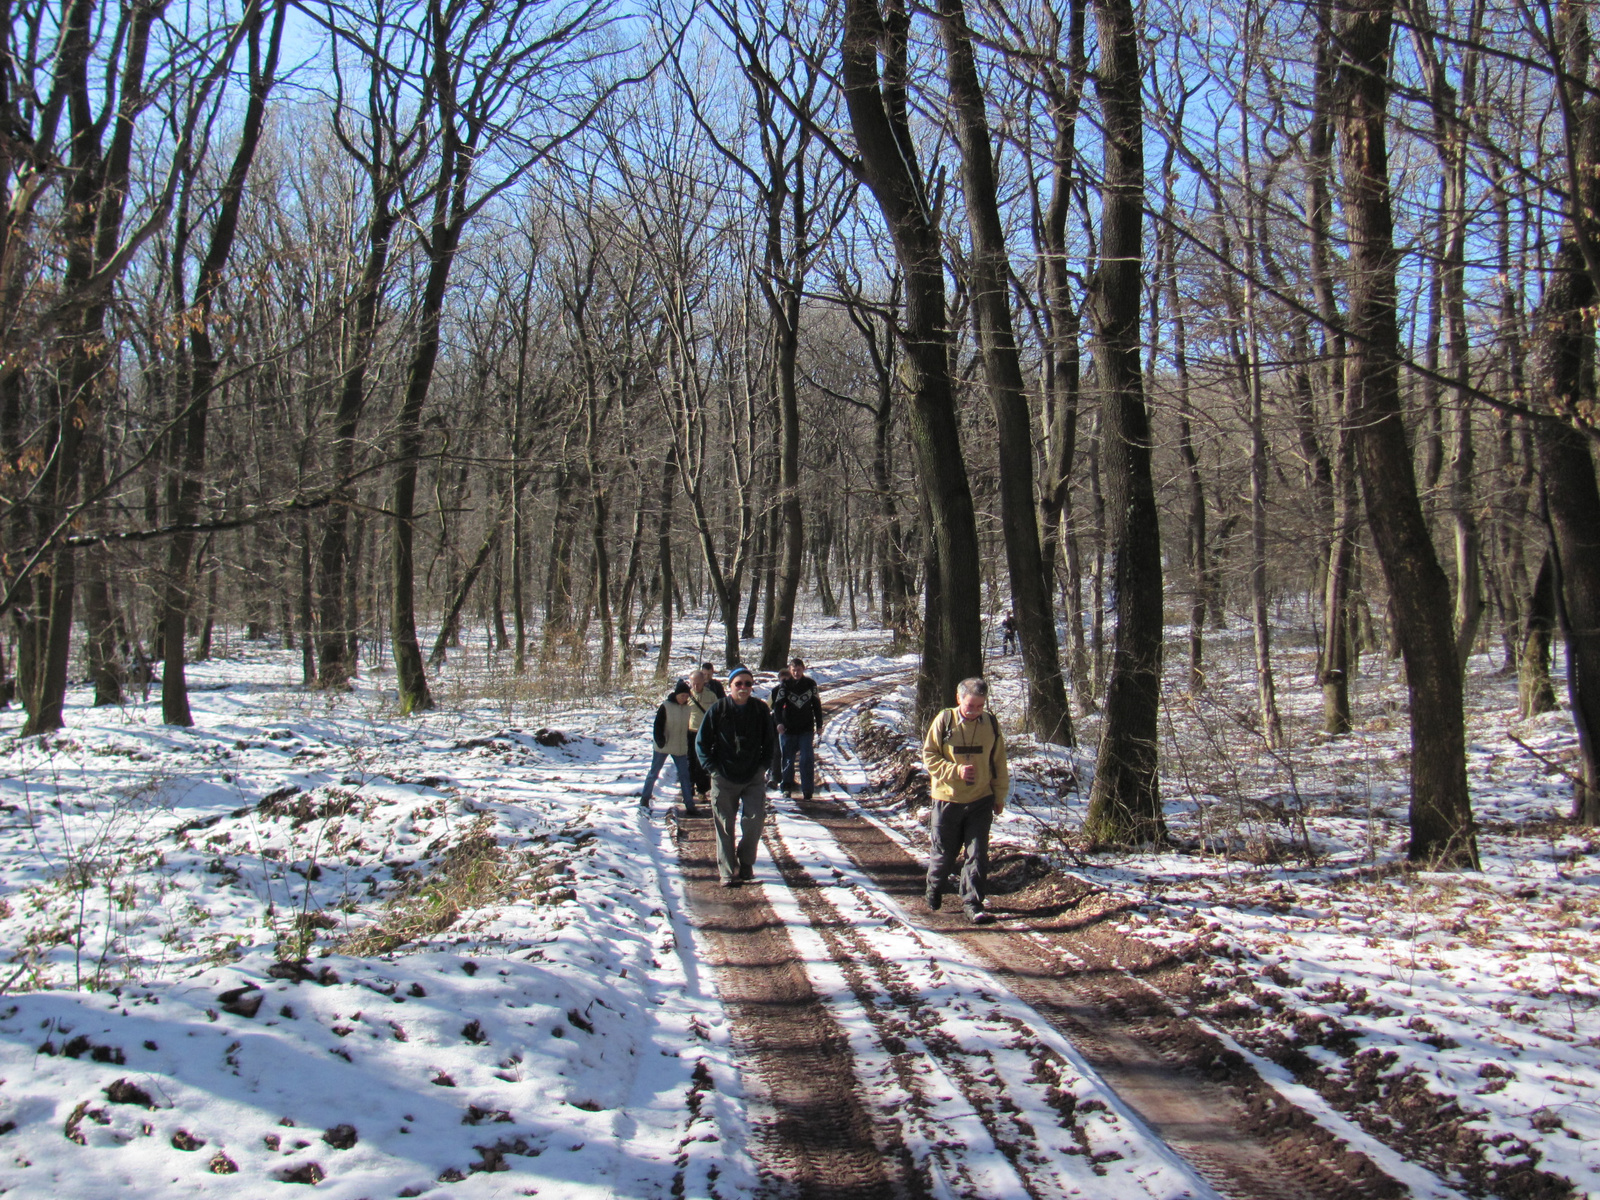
(878, 106)
(1441, 810)
(1125, 802)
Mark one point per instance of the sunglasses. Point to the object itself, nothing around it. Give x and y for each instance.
(743, 683)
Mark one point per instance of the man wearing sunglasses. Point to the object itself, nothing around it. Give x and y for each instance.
(737, 744)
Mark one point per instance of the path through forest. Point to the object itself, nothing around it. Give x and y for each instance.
(899, 1052)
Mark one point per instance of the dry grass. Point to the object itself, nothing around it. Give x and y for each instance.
(474, 873)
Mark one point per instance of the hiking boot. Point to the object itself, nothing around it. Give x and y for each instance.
(976, 915)
(690, 810)
(747, 874)
(934, 896)
(730, 883)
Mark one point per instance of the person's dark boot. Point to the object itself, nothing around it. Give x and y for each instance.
(934, 896)
(746, 874)
(976, 914)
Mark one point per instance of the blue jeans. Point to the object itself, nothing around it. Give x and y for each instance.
(681, 763)
(798, 752)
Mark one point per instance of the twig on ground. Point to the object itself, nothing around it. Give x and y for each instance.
(1551, 763)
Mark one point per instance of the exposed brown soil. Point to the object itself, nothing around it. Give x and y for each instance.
(818, 1139)
(1056, 947)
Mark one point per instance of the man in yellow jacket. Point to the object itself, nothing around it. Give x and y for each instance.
(965, 757)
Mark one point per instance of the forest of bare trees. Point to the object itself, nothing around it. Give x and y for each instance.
(360, 325)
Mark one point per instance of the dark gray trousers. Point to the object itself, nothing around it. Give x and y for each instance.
(746, 804)
(952, 827)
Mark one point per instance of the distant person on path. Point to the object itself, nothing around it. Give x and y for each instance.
(701, 701)
(671, 736)
(1008, 629)
(965, 757)
(797, 713)
(737, 744)
(712, 681)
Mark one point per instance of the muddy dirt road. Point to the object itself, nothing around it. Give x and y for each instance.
(904, 1053)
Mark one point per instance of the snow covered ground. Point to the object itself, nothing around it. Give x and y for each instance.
(1456, 1016)
(501, 994)
(498, 976)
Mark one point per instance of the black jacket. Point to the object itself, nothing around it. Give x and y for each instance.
(737, 741)
(797, 705)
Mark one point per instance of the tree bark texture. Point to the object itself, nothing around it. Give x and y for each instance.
(879, 117)
(95, 197)
(178, 595)
(1419, 593)
(784, 289)
(1125, 801)
(1534, 693)
(989, 268)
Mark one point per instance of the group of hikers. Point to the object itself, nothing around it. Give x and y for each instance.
(726, 744)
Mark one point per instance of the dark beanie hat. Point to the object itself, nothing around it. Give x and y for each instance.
(683, 688)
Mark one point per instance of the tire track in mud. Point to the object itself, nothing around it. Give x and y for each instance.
(950, 1091)
(1063, 961)
(819, 1139)
(922, 1053)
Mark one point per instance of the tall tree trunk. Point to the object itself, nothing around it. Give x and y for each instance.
(558, 595)
(335, 667)
(1195, 512)
(411, 677)
(664, 559)
(212, 571)
(1516, 469)
(989, 268)
(1450, 132)
(879, 116)
(1064, 93)
(1337, 653)
(1534, 693)
(1565, 381)
(1097, 573)
(305, 618)
(1573, 499)
(105, 659)
(783, 300)
(1441, 810)
(1125, 801)
(599, 536)
(1266, 686)
(895, 584)
(449, 628)
(95, 198)
(202, 372)
(630, 581)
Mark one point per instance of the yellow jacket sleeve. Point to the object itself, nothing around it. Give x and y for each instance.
(936, 761)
